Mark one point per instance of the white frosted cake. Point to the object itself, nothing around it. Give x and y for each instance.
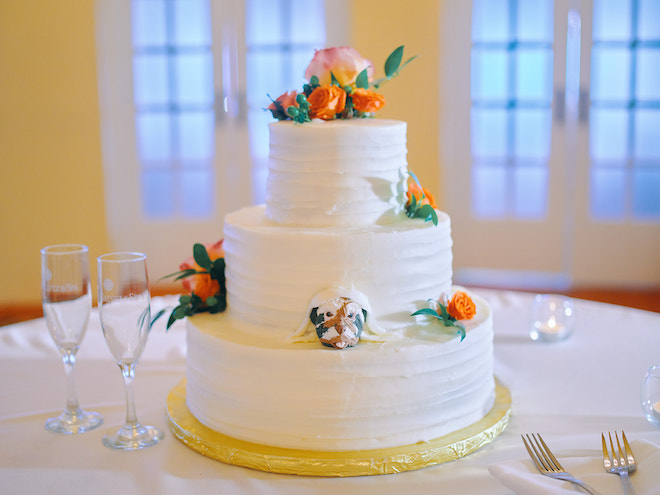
(333, 242)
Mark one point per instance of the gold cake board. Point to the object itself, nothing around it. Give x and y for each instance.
(344, 463)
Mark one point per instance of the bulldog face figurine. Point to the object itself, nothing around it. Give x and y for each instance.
(339, 322)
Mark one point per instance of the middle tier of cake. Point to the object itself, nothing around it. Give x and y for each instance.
(273, 272)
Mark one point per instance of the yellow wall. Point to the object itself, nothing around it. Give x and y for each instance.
(51, 176)
(379, 26)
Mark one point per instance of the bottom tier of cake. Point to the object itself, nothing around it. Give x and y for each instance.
(423, 385)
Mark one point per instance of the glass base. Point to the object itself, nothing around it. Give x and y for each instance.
(77, 422)
(133, 437)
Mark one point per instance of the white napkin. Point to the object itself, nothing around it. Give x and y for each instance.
(523, 478)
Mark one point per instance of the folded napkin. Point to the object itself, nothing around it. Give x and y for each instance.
(523, 478)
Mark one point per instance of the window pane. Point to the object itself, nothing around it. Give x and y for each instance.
(266, 77)
(489, 191)
(534, 75)
(649, 13)
(536, 20)
(647, 134)
(530, 191)
(264, 22)
(612, 20)
(192, 23)
(196, 136)
(157, 193)
(150, 80)
(197, 192)
(489, 132)
(490, 20)
(308, 23)
(149, 26)
(646, 185)
(608, 188)
(608, 133)
(648, 73)
(154, 137)
(610, 73)
(532, 133)
(194, 78)
(300, 58)
(489, 74)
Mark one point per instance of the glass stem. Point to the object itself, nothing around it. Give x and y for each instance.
(128, 371)
(69, 360)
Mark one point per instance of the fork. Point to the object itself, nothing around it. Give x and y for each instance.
(547, 463)
(623, 464)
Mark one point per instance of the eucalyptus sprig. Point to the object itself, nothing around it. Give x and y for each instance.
(189, 304)
(443, 316)
(415, 208)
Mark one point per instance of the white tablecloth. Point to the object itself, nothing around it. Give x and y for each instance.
(568, 391)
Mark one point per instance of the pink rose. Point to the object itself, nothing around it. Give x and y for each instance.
(344, 62)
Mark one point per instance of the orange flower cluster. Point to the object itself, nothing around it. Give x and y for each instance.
(461, 306)
(414, 189)
(367, 101)
(201, 283)
(326, 101)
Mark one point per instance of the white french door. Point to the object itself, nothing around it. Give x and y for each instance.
(531, 184)
(182, 86)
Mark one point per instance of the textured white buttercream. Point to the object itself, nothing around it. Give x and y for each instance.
(336, 173)
(273, 271)
(305, 396)
(334, 220)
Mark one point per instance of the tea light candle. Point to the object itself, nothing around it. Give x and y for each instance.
(551, 318)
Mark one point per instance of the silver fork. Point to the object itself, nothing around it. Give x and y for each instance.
(620, 461)
(547, 463)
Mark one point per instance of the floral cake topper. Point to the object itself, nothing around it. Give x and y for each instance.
(338, 87)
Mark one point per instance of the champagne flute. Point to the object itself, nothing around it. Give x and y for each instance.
(125, 312)
(66, 298)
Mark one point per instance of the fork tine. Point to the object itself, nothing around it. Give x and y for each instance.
(540, 455)
(607, 458)
(555, 463)
(531, 453)
(615, 460)
(622, 457)
(629, 455)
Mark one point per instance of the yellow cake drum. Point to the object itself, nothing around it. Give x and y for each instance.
(335, 464)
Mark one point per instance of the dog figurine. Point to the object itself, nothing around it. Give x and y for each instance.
(339, 322)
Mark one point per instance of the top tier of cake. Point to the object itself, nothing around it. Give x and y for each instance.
(342, 173)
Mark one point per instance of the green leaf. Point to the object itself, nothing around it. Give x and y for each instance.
(181, 274)
(426, 311)
(157, 316)
(362, 80)
(333, 79)
(185, 299)
(460, 331)
(428, 213)
(211, 301)
(201, 256)
(408, 61)
(393, 62)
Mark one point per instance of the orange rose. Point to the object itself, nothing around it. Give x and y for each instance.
(415, 190)
(286, 100)
(326, 101)
(367, 101)
(201, 283)
(461, 307)
(343, 62)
